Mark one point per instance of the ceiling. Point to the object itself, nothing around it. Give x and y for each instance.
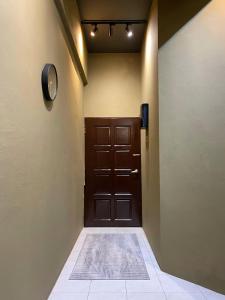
(112, 10)
(173, 14)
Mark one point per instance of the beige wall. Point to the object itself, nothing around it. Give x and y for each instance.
(73, 17)
(192, 148)
(41, 152)
(113, 85)
(150, 138)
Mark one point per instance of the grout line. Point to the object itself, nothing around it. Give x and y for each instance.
(126, 290)
(164, 292)
(85, 235)
(89, 290)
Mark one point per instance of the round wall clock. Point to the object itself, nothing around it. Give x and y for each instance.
(49, 82)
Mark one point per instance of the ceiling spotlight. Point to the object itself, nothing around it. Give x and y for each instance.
(94, 30)
(129, 31)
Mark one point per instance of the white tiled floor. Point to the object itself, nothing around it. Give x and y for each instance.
(161, 286)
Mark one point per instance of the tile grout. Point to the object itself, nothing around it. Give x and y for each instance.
(89, 290)
(126, 290)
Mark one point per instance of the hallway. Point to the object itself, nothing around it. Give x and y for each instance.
(161, 286)
(112, 118)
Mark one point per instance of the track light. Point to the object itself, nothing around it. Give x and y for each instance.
(129, 31)
(110, 29)
(94, 30)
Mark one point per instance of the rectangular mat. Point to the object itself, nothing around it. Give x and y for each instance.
(110, 256)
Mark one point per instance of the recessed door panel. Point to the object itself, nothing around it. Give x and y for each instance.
(123, 135)
(123, 184)
(123, 159)
(123, 209)
(102, 209)
(103, 184)
(102, 135)
(102, 160)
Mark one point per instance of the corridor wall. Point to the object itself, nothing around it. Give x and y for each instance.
(41, 151)
(192, 147)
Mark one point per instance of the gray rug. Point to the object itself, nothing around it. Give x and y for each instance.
(110, 256)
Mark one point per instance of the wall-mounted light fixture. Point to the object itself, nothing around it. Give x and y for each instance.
(144, 115)
(128, 23)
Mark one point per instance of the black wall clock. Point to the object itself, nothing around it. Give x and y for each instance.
(49, 82)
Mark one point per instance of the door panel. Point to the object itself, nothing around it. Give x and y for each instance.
(112, 187)
(102, 135)
(102, 160)
(102, 209)
(123, 182)
(123, 209)
(122, 159)
(103, 184)
(123, 135)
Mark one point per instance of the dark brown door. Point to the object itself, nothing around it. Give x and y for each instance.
(112, 172)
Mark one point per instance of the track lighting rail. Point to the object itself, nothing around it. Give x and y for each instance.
(113, 22)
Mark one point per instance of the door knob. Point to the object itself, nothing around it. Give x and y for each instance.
(134, 171)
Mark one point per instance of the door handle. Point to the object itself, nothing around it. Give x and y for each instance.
(136, 154)
(134, 171)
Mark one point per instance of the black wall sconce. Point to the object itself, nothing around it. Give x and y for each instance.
(144, 115)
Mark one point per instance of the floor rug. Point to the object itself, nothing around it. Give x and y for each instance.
(110, 256)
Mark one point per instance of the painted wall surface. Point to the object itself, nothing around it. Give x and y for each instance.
(41, 152)
(73, 16)
(192, 148)
(150, 138)
(114, 85)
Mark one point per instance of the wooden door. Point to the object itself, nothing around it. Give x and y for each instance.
(112, 172)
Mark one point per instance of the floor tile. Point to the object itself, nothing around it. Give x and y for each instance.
(110, 286)
(68, 268)
(211, 295)
(79, 242)
(146, 256)
(144, 286)
(172, 284)
(107, 296)
(215, 296)
(72, 286)
(151, 270)
(184, 296)
(68, 296)
(146, 296)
